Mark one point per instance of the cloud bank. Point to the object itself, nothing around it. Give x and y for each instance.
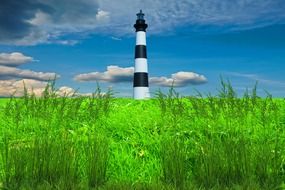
(29, 22)
(13, 79)
(116, 74)
(8, 70)
(16, 88)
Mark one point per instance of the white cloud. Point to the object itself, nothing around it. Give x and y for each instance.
(179, 79)
(16, 88)
(113, 74)
(116, 74)
(12, 73)
(64, 42)
(40, 18)
(65, 91)
(102, 16)
(14, 59)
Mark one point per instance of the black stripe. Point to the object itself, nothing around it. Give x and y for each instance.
(140, 25)
(140, 51)
(141, 79)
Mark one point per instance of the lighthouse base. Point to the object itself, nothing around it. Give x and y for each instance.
(141, 93)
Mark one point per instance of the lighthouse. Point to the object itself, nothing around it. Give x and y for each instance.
(141, 90)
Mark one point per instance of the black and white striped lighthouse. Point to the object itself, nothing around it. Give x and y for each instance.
(141, 90)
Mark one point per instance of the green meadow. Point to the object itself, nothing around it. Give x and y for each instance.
(168, 142)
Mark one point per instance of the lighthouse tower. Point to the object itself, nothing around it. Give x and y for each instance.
(141, 90)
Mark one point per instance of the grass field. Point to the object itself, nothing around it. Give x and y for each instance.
(167, 142)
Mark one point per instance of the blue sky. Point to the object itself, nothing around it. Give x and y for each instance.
(242, 41)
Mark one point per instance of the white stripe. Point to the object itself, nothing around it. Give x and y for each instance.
(141, 65)
(141, 38)
(141, 93)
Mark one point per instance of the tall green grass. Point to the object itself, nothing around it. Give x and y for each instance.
(43, 138)
(168, 142)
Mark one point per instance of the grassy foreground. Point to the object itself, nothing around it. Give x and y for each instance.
(168, 142)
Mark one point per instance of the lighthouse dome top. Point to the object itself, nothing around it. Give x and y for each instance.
(140, 15)
(140, 22)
